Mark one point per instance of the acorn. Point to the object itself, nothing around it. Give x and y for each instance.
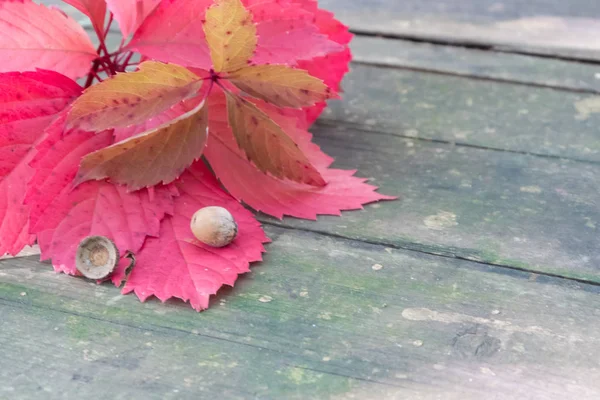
(97, 257)
(214, 226)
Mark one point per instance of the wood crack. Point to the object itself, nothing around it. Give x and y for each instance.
(325, 122)
(155, 328)
(432, 251)
(397, 66)
(467, 44)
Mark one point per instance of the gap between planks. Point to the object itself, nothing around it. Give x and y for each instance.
(364, 61)
(326, 122)
(475, 45)
(406, 246)
(157, 328)
(429, 250)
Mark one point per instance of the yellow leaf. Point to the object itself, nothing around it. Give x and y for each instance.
(231, 35)
(267, 145)
(159, 155)
(132, 98)
(281, 85)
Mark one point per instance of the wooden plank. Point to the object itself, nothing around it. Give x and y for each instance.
(419, 327)
(26, 252)
(517, 68)
(497, 207)
(473, 112)
(547, 27)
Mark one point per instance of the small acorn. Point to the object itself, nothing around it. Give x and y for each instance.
(214, 226)
(97, 257)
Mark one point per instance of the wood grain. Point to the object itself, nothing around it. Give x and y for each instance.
(477, 64)
(335, 328)
(496, 115)
(546, 27)
(522, 211)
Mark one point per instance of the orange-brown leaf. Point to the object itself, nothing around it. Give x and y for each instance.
(267, 145)
(231, 35)
(131, 98)
(159, 155)
(281, 85)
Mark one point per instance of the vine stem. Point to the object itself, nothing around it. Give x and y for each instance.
(98, 78)
(103, 63)
(92, 73)
(126, 62)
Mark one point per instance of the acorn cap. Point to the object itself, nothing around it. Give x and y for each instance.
(97, 257)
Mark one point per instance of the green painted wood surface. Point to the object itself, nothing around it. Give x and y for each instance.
(474, 63)
(497, 115)
(522, 211)
(484, 10)
(549, 27)
(463, 306)
(420, 327)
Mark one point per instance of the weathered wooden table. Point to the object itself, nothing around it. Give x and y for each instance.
(484, 117)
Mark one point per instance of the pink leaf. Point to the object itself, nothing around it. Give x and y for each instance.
(268, 10)
(162, 118)
(34, 36)
(14, 230)
(276, 197)
(322, 49)
(62, 216)
(100, 208)
(28, 103)
(130, 14)
(287, 41)
(289, 31)
(95, 10)
(177, 265)
(174, 33)
(332, 67)
(56, 163)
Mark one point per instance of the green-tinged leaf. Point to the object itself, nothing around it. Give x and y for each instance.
(231, 35)
(281, 85)
(267, 145)
(131, 98)
(157, 156)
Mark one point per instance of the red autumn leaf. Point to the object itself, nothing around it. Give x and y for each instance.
(176, 265)
(268, 10)
(169, 115)
(14, 228)
(28, 103)
(55, 162)
(231, 35)
(34, 36)
(63, 216)
(95, 10)
(100, 208)
(181, 43)
(281, 85)
(288, 32)
(153, 123)
(287, 41)
(153, 157)
(332, 67)
(131, 14)
(131, 98)
(275, 197)
(239, 35)
(267, 144)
